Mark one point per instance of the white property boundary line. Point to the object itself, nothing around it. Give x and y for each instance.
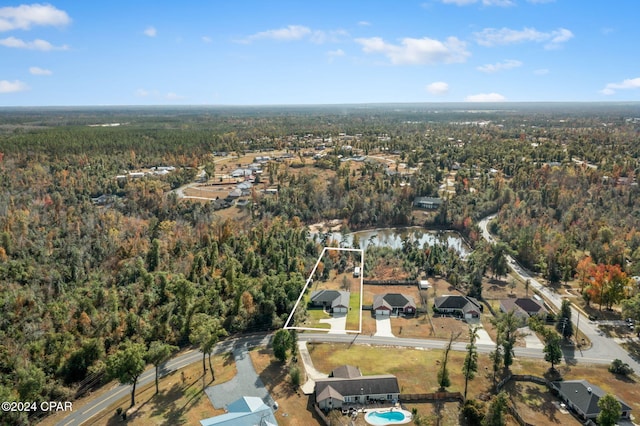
(313, 271)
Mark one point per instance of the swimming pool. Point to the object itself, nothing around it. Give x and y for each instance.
(387, 417)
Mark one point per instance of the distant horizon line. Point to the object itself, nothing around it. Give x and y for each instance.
(442, 103)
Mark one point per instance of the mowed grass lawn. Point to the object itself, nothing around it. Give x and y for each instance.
(180, 401)
(353, 316)
(416, 369)
(417, 373)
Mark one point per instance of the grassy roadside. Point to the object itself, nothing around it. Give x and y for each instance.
(180, 400)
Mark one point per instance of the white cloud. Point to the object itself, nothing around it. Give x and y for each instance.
(494, 37)
(631, 83)
(141, 93)
(25, 16)
(150, 31)
(413, 51)
(289, 33)
(155, 94)
(206, 39)
(459, 2)
(298, 32)
(333, 36)
(438, 88)
(502, 3)
(30, 45)
(364, 23)
(500, 66)
(485, 97)
(541, 71)
(39, 71)
(173, 96)
(332, 54)
(12, 86)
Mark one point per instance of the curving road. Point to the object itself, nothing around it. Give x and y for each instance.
(103, 401)
(602, 348)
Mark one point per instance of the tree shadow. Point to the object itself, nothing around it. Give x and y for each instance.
(228, 359)
(172, 412)
(569, 353)
(633, 347)
(553, 375)
(623, 378)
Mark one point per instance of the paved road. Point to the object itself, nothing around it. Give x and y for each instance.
(102, 402)
(602, 348)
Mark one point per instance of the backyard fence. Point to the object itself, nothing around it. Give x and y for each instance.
(430, 397)
(390, 282)
(521, 378)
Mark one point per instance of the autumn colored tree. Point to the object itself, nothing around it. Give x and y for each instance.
(584, 272)
(608, 285)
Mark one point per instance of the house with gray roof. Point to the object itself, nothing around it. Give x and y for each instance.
(582, 397)
(429, 203)
(346, 372)
(393, 304)
(524, 307)
(465, 307)
(336, 301)
(336, 392)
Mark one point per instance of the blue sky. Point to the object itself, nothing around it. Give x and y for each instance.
(264, 52)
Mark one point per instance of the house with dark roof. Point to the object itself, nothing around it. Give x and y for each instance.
(393, 304)
(465, 307)
(582, 397)
(246, 411)
(429, 203)
(336, 301)
(524, 307)
(336, 392)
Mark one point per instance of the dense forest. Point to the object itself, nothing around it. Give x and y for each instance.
(78, 279)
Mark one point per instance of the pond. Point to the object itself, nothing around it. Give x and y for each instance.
(393, 237)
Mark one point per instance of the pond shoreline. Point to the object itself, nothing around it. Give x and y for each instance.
(394, 236)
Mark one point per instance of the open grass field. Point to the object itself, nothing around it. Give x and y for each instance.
(417, 373)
